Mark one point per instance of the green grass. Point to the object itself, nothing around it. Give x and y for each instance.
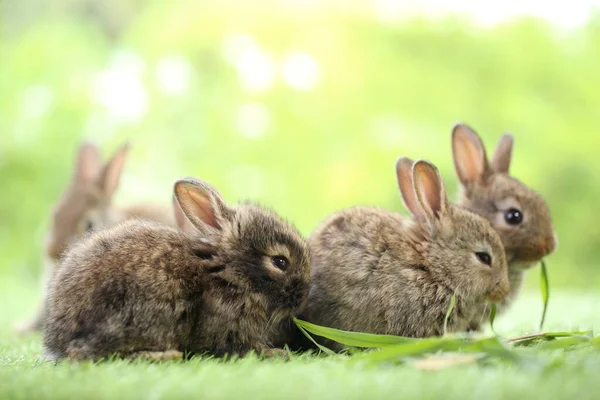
(553, 374)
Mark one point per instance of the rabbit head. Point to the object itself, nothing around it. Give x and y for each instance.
(265, 255)
(85, 205)
(519, 215)
(467, 252)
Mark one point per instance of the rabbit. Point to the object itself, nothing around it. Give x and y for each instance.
(86, 206)
(145, 290)
(519, 215)
(379, 272)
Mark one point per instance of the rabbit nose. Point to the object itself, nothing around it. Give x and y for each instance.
(555, 241)
(550, 244)
(500, 290)
(53, 249)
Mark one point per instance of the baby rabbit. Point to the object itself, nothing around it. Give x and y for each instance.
(142, 289)
(86, 206)
(379, 272)
(516, 212)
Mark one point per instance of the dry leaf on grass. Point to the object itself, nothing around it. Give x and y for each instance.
(442, 361)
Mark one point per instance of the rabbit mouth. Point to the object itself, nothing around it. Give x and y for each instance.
(531, 253)
(522, 265)
(295, 296)
(498, 293)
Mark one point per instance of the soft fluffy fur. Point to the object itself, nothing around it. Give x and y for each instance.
(142, 287)
(489, 190)
(379, 272)
(86, 206)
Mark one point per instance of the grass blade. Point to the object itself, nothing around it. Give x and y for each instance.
(565, 343)
(449, 312)
(545, 292)
(355, 339)
(489, 346)
(322, 348)
(493, 318)
(398, 352)
(536, 338)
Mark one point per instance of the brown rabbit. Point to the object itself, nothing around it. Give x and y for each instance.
(86, 206)
(146, 289)
(379, 272)
(519, 215)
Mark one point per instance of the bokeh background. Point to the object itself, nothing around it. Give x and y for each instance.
(302, 105)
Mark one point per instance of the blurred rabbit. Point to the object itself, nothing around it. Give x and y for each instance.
(379, 272)
(86, 206)
(142, 289)
(519, 215)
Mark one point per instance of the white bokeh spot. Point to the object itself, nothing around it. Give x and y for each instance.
(255, 67)
(173, 75)
(301, 71)
(120, 89)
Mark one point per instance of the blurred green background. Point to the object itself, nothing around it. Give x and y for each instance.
(302, 107)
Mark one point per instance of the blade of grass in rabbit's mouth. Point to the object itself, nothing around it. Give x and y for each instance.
(545, 290)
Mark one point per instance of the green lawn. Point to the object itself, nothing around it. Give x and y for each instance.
(557, 374)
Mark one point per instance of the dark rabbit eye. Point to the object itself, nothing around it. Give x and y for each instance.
(200, 253)
(484, 258)
(513, 216)
(89, 226)
(280, 262)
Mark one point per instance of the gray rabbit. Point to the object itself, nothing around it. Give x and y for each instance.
(519, 215)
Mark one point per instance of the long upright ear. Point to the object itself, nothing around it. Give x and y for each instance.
(180, 219)
(87, 166)
(202, 204)
(503, 154)
(429, 189)
(405, 183)
(470, 160)
(179, 215)
(111, 173)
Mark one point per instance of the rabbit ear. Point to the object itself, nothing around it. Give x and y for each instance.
(202, 204)
(179, 215)
(405, 183)
(180, 219)
(429, 189)
(503, 154)
(470, 160)
(87, 166)
(111, 173)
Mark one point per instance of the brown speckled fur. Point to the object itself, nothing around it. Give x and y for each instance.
(379, 272)
(489, 190)
(145, 288)
(87, 200)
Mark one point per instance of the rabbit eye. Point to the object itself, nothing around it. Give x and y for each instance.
(513, 216)
(280, 262)
(89, 226)
(484, 258)
(202, 254)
